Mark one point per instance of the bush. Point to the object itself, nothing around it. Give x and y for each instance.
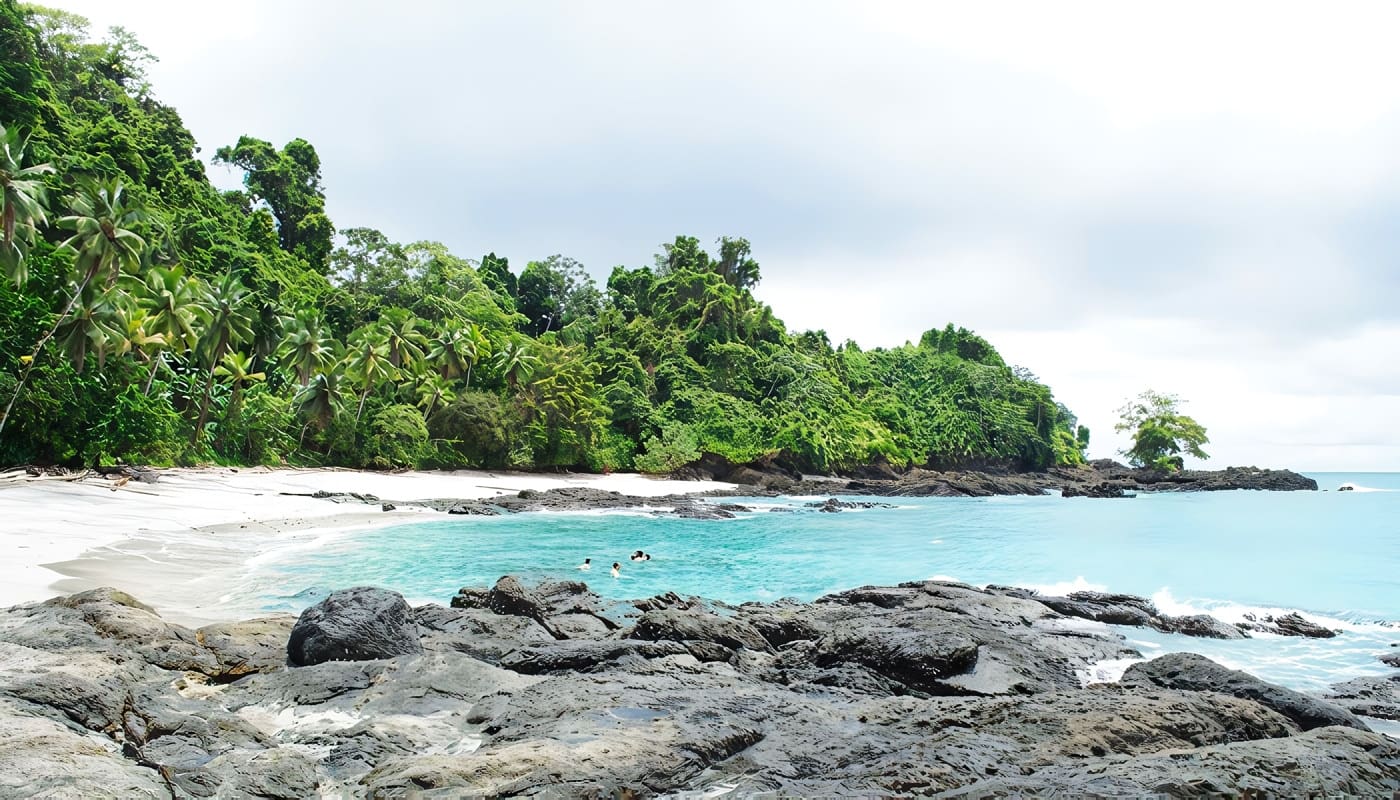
(613, 451)
(260, 431)
(673, 449)
(397, 438)
(139, 428)
(474, 425)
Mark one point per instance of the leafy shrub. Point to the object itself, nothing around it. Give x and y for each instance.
(673, 449)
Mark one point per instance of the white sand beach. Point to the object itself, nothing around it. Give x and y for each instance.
(178, 543)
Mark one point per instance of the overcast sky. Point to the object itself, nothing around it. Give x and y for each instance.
(1201, 198)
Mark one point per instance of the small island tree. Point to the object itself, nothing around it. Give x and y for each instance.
(1160, 432)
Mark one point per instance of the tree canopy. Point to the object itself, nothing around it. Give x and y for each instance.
(1161, 433)
(148, 316)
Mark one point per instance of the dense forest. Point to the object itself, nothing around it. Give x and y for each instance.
(149, 317)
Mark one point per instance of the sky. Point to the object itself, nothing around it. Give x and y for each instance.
(1199, 198)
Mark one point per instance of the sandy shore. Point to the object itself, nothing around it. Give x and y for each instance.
(179, 542)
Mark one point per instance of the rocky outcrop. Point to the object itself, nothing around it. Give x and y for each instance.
(357, 624)
(1371, 697)
(1127, 609)
(1196, 673)
(1291, 624)
(922, 688)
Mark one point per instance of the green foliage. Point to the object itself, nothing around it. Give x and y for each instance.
(289, 181)
(397, 438)
(1160, 432)
(149, 316)
(140, 428)
(674, 448)
(475, 428)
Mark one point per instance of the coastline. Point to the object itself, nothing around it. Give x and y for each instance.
(170, 541)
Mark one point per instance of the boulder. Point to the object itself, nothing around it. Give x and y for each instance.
(703, 626)
(1291, 624)
(1195, 673)
(359, 624)
(1377, 697)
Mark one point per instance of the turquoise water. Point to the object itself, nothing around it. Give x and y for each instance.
(1333, 555)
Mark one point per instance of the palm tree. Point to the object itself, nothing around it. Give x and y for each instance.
(434, 390)
(95, 325)
(231, 317)
(103, 245)
(171, 301)
(516, 362)
(238, 368)
(458, 349)
(22, 200)
(305, 346)
(139, 337)
(318, 401)
(368, 364)
(402, 339)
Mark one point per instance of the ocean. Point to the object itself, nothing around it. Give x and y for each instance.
(1333, 556)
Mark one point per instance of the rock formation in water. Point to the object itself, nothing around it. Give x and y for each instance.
(922, 688)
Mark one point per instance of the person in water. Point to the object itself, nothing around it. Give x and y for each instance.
(586, 565)
(616, 570)
(640, 556)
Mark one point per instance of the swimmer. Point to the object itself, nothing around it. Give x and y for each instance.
(640, 556)
(586, 565)
(616, 570)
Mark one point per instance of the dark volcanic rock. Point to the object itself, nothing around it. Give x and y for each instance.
(1103, 489)
(354, 625)
(1194, 673)
(1127, 609)
(926, 688)
(1287, 625)
(1371, 697)
(685, 626)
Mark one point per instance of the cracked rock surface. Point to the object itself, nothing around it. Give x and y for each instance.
(927, 688)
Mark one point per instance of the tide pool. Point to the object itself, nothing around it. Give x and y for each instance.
(1335, 556)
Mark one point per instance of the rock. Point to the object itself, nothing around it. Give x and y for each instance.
(582, 656)
(1191, 672)
(1371, 697)
(1114, 609)
(1291, 624)
(1204, 625)
(387, 507)
(926, 688)
(833, 505)
(687, 626)
(243, 648)
(1127, 609)
(1328, 762)
(1103, 489)
(358, 624)
(1390, 659)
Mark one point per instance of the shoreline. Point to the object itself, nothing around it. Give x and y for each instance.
(162, 540)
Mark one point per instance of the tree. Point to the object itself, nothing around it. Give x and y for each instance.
(22, 200)
(1160, 432)
(103, 245)
(554, 293)
(230, 322)
(289, 181)
(457, 349)
(305, 345)
(238, 368)
(516, 362)
(368, 364)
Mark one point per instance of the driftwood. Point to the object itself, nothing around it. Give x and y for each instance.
(26, 476)
(127, 472)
